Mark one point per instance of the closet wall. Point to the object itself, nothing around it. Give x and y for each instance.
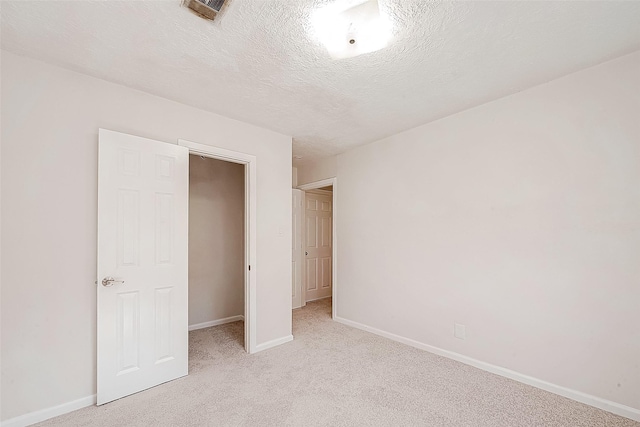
(216, 240)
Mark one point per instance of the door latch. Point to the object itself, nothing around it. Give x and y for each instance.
(109, 281)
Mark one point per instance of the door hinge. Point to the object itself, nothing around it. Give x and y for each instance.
(249, 268)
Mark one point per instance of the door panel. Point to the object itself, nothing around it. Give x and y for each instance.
(128, 237)
(325, 232)
(164, 303)
(164, 228)
(142, 240)
(311, 230)
(312, 275)
(326, 272)
(318, 229)
(128, 332)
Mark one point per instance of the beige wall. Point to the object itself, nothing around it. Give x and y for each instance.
(519, 219)
(216, 239)
(317, 170)
(294, 177)
(50, 121)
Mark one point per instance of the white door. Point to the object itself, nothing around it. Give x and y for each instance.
(143, 195)
(296, 247)
(317, 246)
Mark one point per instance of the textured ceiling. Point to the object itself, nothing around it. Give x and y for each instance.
(260, 63)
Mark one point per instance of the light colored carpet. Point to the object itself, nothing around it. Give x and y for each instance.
(333, 375)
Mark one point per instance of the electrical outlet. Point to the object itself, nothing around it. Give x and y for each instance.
(459, 331)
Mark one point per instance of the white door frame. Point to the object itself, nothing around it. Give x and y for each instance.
(297, 247)
(250, 234)
(334, 238)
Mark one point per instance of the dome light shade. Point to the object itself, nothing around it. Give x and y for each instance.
(354, 31)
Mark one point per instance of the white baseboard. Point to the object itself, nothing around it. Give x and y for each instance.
(45, 414)
(269, 344)
(607, 405)
(215, 322)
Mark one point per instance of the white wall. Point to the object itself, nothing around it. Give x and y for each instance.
(216, 239)
(50, 121)
(317, 170)
(519, 219)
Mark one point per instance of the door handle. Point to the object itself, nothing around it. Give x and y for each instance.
(109, 281)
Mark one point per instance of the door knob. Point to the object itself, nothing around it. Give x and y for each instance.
(109, 281)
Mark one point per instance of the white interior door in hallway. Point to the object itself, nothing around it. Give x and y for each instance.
(318, 236)
(143, 195)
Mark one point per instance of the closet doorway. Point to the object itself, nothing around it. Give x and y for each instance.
(216, 242)
(222, 233)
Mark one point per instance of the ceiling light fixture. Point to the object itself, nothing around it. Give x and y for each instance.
(354, 31)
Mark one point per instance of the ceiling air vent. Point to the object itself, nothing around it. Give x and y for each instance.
(208, 9)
